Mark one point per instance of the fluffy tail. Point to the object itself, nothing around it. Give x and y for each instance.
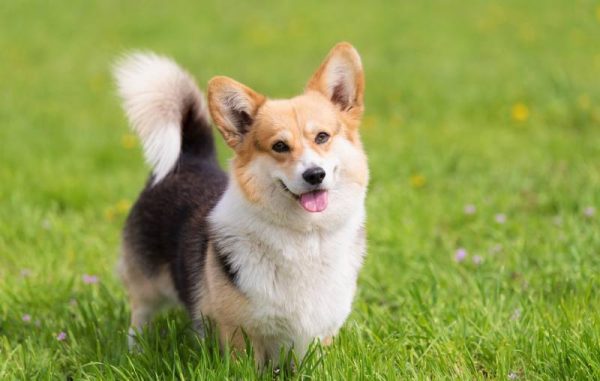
(165, 108)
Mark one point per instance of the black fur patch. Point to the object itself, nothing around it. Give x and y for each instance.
(196, 133)
(167, 225)
(225, 265)
(339, 96)
(242, 121)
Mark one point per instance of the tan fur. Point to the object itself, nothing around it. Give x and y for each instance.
(146, 294)
(317, 82)
(227, 307)
(245, 180)
(296, 122)
(223, 90)
(219, 298)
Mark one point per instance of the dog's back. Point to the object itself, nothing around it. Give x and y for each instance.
(169, 114)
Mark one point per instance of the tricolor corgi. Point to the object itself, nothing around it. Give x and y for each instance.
(270, 251)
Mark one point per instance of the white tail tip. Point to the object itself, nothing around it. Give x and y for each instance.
(156, 93)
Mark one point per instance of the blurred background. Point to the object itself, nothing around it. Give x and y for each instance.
(482, 129)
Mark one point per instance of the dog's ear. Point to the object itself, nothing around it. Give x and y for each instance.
(340, 78)
(233, 107)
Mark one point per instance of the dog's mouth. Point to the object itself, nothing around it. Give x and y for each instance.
(314, 201)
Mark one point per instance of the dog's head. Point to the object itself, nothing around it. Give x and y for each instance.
(301, 154)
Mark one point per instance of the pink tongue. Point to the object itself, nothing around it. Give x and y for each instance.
(315, 201)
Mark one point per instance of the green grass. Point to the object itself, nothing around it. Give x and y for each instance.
(443, 79)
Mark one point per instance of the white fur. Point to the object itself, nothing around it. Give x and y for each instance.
(300, 284)
(297, 269)
(310, 159)
(156, 92)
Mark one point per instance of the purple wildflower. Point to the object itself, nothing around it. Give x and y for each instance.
(460, 254)
(589, 211)
(38, 323)
(90, 279)
(500, 218)
(477, 260)
(62, 336)
(25, 273)
(470, 209)
(26, 318)
(496, 249)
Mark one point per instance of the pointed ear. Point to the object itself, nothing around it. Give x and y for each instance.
(340, 78)
(233, 107)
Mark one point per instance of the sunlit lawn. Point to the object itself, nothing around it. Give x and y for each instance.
(483, 133)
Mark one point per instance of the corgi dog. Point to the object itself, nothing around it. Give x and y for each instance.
(271, 250)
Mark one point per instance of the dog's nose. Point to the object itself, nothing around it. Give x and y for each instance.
(314, 175)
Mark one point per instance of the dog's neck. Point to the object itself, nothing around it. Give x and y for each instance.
(255, 242)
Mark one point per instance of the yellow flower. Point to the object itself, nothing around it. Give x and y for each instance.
(109, 214)
(123, 206)
(120, 208)
(128, 141)
(417, 181)
(520, 112)
(584, 102)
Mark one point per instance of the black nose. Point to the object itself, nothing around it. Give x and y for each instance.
(314, 175)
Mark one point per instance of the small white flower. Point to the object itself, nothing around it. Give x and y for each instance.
(470, 209)
(496, 249)
(516, 315)
(589, 211)
(500, 218)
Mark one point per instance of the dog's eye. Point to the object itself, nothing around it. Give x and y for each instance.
(280, 147)
(322, 137)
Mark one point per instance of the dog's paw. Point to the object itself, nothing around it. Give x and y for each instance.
(132, 341)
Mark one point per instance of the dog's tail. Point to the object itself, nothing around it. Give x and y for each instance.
(165, 108)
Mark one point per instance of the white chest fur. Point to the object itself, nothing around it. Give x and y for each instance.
(300, 282)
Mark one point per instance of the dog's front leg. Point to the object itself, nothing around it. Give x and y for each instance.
(234, 339)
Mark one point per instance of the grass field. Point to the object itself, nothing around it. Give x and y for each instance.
(483, 133)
